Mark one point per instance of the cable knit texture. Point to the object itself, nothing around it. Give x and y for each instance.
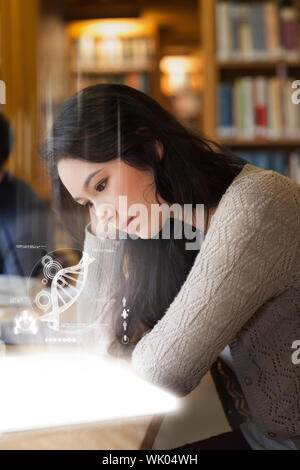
(243, 290)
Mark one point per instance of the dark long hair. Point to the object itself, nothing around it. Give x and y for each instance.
(105, 121)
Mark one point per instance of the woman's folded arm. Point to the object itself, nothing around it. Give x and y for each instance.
(245, 260)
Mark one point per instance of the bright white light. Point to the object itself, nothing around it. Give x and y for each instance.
(73, 388)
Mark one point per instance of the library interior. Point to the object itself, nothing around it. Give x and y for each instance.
(229, 73)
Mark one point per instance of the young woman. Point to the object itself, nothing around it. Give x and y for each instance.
(236, 296)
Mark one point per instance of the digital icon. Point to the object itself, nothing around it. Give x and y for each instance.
(124, 315)
(25, 323)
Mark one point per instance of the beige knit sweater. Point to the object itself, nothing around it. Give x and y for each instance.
(243, 290)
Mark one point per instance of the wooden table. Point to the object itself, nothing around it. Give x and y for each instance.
(133, 434)
(130, 433)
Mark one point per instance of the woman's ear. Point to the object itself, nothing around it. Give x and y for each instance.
(160, 148)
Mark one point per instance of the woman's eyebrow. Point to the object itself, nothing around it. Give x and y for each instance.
(88, 179)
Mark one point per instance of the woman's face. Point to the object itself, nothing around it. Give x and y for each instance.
(99, 186)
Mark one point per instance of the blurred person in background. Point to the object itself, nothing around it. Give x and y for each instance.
(25, 221)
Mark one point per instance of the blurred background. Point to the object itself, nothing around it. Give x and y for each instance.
(226, 69)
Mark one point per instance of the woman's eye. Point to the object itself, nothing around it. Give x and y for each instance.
(101, 186)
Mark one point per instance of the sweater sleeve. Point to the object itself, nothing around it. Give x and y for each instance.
(247, 257)
(94, 305)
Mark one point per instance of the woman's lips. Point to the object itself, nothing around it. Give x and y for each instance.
(129, 222)
(126, 225)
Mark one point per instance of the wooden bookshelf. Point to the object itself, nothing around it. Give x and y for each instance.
(19, 48)
(260, 142)
(257, 64)
(112, 70)
(131, 67)
(215, 69)
(210, 77)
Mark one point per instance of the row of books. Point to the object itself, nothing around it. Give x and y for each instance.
(113, 53)
(256, 30)
(140, 81)
(259, 106)
(287, 164)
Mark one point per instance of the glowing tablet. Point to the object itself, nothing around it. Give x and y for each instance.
(47, 390)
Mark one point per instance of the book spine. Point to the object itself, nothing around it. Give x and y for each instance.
(273, 109)
(245, 39)
(260, 106)
(289, 30)
(257, 28)
(294, 166)
(223, 30)
(279, 163)
(235, 24)
(250, 114)
(237, 108)
(225, 102)
(271, 16)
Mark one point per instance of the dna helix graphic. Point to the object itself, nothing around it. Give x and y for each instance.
(63, 292)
